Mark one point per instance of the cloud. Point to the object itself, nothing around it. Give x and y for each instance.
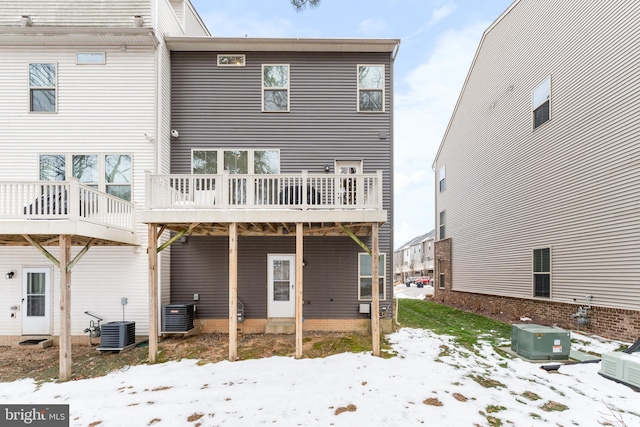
(371, 27)
(422, 111)
(437, 15)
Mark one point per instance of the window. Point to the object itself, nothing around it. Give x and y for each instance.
(234, 60)
(236, 161)
(540, 102)
(441, 177)
(42, 88)
(275, 88)
(542, 272)
(370, 87)
(364, 276)
(442, 223)
(441, 274)
(117, 168)
(111, 173)
(90, 58)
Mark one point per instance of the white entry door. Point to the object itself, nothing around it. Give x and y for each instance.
(281, 279)
(36, 303)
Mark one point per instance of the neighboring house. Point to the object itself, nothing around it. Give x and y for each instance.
(536, 177)
(85, 112)
(281, 166)
(414, 258)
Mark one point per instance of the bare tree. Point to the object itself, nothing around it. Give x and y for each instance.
(300, 5)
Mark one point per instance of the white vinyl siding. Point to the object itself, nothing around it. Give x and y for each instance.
(573, 185)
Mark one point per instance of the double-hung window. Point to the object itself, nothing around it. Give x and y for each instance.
(275, 87)
(441, 179)
(365, 276)
(370, 88)
(542, 272)
(42, 88)
(540, 102)
(442, 222)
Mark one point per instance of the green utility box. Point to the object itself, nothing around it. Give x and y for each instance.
(537, 342)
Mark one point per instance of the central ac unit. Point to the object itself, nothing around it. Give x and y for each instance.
(117, 335)
(177, 317)
(537, 342)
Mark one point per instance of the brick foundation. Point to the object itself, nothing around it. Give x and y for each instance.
(612, 323)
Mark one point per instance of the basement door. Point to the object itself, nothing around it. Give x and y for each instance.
(281, 283)
(36, 303)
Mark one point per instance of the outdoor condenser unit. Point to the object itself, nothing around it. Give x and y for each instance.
(177, 317)
(117, 334)
(622, 367)
(537, 342)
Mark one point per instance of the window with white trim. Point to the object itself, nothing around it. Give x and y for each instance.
(441, 179)
(542, 272)
(442, 224)
(371, 88)
(253, 161)
(540, 102)
(275, 87)
(90, 58)
(111, 173)
(365, 275)
(231, 60)
(42, 88)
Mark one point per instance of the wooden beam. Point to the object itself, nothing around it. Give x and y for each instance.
(42, 250)
(355, 239)
(233, 292)
(153, 293)
(272, 227)
(375, 290)
(162, 228)
(299, 260)
(177, 236)
(80, 255)
(65, 308)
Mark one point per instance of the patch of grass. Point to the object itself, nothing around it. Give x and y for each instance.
(491, 409)
(444, 320)
(492, 421)
(530, 395)
(535, 416)
(486, 382)
(349, 408)
(432, 401)
(552, 406)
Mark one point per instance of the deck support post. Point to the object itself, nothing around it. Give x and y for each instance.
(65, 309)
(299, 261)
(233, 291)
(375, 290)
(153, 293)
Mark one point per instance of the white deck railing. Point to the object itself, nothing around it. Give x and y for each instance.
(54, 200)
(264, 191)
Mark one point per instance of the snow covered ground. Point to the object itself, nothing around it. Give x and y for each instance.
(430, 382)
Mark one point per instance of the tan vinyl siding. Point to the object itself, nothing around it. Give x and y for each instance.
(571, 184)
(75, 13)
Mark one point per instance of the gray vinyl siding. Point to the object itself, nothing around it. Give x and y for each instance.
(220, 107)
(330, 277)
(572, 184)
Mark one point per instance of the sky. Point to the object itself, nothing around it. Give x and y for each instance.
(429, 382)
(438, 41)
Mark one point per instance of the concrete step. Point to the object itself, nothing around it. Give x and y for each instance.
(30, 342)
(280, 326)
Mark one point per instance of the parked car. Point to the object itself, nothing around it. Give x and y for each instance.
(423, 280)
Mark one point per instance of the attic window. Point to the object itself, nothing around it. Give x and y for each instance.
(235, 60)
(90, 58)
